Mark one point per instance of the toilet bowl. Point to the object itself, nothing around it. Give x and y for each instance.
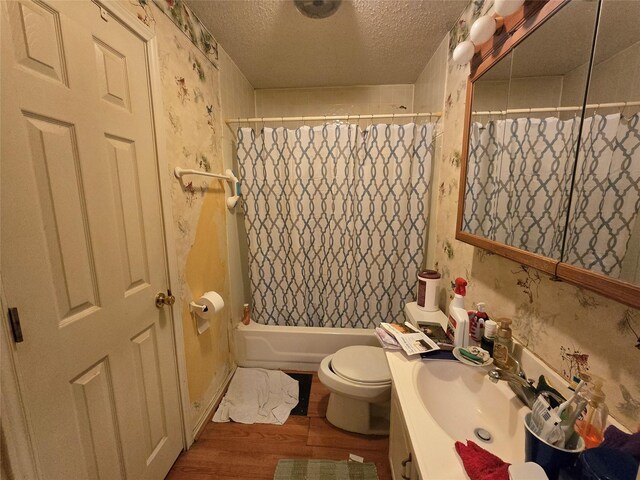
(359, 380)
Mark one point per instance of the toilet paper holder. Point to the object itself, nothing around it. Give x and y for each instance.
(193, 306)
(207, 305)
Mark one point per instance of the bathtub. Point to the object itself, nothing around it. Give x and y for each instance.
(294, 348)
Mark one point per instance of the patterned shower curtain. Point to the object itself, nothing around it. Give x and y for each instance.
(606, 197)
(518, 181)
(336, 219)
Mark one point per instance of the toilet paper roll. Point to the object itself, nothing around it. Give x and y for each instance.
(212, 302)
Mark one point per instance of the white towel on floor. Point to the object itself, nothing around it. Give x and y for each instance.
(257, 395)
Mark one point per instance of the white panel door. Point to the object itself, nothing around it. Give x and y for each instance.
(82, 244)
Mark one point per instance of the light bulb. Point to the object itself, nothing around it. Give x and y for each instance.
(504, 8)
(482, 29)
(463, 53)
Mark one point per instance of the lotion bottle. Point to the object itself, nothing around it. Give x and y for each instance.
(246, 315)
(503, 344)
(458, 325)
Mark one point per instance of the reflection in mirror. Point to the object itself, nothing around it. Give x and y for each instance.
(485, 189)
(522, 145)
(603, 233)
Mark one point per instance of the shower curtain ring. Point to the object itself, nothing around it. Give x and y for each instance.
(623, 108)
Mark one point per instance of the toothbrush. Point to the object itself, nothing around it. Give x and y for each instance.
(568, 424)
(564, 405)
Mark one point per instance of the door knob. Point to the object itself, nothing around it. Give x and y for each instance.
(163, 299)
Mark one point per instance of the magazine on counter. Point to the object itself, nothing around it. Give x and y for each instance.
(409, 338)
(436, 332)
(387, 340)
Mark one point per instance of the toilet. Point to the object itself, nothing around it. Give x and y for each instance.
(360, 383)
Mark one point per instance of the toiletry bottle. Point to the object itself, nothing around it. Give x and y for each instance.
(503, 344)
(490, 329)
(472, 323)
(591, 427)
(476, 325)
(458, 325)
(245, 318)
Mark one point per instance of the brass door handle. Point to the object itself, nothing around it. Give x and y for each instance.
(163, 299)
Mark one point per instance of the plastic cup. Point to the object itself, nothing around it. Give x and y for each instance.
(551, 458)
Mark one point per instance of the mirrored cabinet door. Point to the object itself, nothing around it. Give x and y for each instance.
(603, 231)
(486, 188)
(522, 145)
(542, 136)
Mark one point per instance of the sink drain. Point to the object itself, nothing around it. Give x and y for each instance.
(483, 435)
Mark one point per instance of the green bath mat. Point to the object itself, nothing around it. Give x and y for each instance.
(303, 469)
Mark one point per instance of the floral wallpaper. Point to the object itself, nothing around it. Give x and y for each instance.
(570, 328)
(192, 126)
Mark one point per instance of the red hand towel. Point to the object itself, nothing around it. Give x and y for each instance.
(480, 464)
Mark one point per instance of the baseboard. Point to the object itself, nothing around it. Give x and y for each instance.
(213, 404)
(295, 366)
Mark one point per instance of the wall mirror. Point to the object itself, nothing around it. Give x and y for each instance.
(603, 234)
(551, 176)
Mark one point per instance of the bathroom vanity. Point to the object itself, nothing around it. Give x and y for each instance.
(436, 402)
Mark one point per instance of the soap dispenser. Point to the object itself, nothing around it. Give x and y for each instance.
(503, 344)
(591, 427)
(458, 325)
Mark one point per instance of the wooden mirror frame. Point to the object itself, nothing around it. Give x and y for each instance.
(515, 29)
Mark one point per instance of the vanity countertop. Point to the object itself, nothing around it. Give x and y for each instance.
(433, 448)
(434, 453)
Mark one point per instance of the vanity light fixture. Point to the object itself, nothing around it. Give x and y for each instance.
(504, 8)
(483, 29)
(463, 53)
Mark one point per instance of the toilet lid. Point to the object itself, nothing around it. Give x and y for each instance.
(362, 364)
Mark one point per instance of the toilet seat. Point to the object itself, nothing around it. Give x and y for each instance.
(362, 365)
(359, 380)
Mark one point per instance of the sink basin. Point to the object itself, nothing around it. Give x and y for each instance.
(461, 399)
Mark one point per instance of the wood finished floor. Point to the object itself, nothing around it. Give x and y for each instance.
(233, 451)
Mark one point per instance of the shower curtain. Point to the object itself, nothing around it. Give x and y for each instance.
(606, 197)
(518, 181)
(336, 219)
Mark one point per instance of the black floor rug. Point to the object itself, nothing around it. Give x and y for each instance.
(304, 382)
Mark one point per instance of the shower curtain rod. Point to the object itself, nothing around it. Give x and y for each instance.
(557, 109)
(326, 118)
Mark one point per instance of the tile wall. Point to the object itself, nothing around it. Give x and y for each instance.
(355, 100)
(429, 97)
(237, 100)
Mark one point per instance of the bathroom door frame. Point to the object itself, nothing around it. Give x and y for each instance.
(20, 451)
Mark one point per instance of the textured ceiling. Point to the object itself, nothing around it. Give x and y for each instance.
(367, 42)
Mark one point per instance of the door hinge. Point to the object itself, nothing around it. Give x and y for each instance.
(14, 322)
(104, 14)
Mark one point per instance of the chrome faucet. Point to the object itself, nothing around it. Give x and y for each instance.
(518, 383)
